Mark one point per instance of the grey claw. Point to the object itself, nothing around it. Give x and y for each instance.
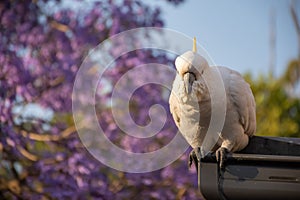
(195, 156)
(198, 153)
(192, 157)
(221, 156)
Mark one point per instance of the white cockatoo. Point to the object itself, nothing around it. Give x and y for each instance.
(191, 106)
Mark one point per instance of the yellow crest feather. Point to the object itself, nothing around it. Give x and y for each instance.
(195, 45)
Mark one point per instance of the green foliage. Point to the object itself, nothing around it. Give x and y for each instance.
(277, 104)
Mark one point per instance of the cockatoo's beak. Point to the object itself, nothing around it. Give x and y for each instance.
(188, 79)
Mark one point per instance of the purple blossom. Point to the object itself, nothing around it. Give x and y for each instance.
(40, 54)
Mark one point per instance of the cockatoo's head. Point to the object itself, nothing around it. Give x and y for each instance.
(190, 66)
(191, 62)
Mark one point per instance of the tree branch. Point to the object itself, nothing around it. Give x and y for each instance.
(46, 138)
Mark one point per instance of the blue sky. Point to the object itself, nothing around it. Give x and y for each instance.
(236, 33)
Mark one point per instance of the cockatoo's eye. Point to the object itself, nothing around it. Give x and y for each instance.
(194, 75)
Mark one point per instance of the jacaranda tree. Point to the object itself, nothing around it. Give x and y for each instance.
(42, 45)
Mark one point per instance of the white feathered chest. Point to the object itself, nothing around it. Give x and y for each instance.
(188, 111)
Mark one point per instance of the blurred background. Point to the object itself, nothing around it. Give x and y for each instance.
(42, 45)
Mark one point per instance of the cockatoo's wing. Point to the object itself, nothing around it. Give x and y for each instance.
(175, 99)
(242, 99)
(174, 108)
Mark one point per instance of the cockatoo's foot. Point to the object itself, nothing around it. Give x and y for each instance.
(195, 156)
(192, 158)
(221, 156)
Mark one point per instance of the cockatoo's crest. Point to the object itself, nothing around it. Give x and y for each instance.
(195, 45)
(191, 62)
